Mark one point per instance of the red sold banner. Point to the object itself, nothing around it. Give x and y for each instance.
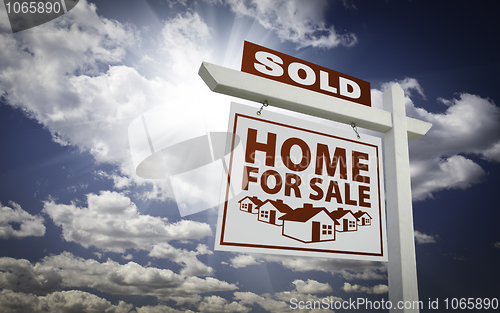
(264, 62)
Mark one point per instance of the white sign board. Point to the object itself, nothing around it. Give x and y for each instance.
(301, 188)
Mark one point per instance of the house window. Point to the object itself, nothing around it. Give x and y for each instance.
(244, 205)
(352, 224)
(367, 221)
(327, 229)
(264, 214)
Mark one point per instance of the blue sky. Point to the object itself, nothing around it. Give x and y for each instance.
(80, 232)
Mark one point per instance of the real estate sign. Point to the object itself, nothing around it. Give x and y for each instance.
(301, 188)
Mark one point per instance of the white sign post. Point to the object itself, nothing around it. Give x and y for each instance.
(402, 265)
(395, 125)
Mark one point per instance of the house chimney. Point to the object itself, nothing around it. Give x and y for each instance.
(279, 200)
(340, 209)
(308, 206)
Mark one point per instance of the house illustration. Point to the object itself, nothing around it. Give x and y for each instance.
(309, 224)
(346, 220)
(363, 218)
(250, 204)
(271, 210)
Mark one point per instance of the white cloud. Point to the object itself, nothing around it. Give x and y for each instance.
(300, 22)
(266, 301)
(470, 126)
(81, 301)
(119, 182)
(133, 279)
(243, 260)
(184, 39)
(497, 245)
(217, 304)
(409, 85)
(422, 238)
(311, 286)
(67, 271)
(26, 225)
(455, 172)
(348, 269)
(280, 301)
(55, 74)
(21, 275)
(127, 257)
(36, 64)
(492, 153)
(59, 302)
(378, 289)
(160, 308)
(184, 257)
(111, 222)
(305, 291)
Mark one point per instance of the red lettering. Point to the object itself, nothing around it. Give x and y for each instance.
(247, 178)
(347, 198)
(363, 196)
(356, 167)
(252, 146)
(316, 188)
(289, 185)
(285, 154)
(339, 158)
(265, 179)
(331, 194)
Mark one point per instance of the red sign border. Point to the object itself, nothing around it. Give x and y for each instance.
(222, 243)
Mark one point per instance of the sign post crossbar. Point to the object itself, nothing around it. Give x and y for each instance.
(250, 87)
(397, 129)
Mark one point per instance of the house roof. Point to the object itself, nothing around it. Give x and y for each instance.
(305, 214)
(339, 214)
(358, 214)
(254, 199)
(279, 205)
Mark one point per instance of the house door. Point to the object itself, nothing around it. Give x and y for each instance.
(316, 228)
(250, 207)
(345, 224)
(362, 221)
(272, 217)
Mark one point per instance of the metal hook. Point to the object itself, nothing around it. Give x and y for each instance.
(264, 104)
(353, 125)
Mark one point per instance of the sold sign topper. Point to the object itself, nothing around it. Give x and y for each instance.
(267, 63)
